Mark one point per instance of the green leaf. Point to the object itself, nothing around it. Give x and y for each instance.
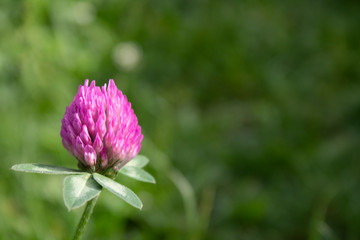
(45, 169)
(119, 190)
(137, 173)
(78, 189)
(139, 161)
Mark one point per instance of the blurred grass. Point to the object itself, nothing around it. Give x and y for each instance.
(253, 105)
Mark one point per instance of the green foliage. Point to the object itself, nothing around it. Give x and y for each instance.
(137, 173)
(139, 161)
(79, 189)
(44, 169)
(119, 190)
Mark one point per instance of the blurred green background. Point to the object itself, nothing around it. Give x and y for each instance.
(250, 112)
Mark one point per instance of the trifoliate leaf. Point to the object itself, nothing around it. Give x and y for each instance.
(42, 168)
(137, 173)
(119, 190)
(139, 161)
(78, 189)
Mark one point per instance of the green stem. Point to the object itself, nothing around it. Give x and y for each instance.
(85, 218)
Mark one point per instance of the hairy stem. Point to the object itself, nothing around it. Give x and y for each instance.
(85, 218)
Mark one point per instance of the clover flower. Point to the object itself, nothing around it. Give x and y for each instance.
(100, 128)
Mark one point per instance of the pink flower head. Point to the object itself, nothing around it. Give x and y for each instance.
(100, 128)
